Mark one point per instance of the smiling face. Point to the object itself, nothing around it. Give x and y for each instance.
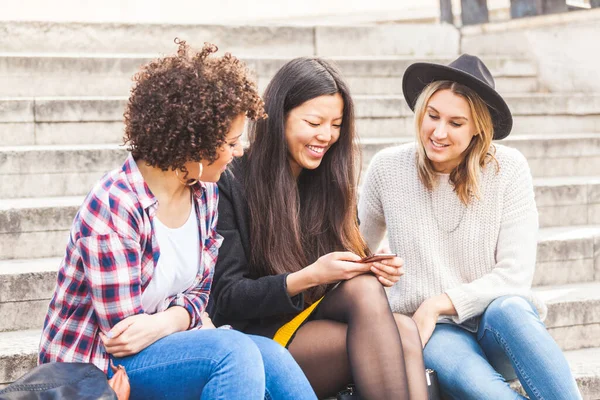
(211, 172)
(446, 130)
(311, 129)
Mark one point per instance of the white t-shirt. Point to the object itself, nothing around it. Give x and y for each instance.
(178, 264)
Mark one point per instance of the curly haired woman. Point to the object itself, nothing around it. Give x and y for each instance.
(137, 273)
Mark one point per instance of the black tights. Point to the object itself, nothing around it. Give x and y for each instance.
(353, 336)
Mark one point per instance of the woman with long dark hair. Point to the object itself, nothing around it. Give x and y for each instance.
(289, 268)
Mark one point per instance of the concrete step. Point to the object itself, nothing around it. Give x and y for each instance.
(568, 201)
(38, 227)
(573, 314)
(110, 75)
(79, 120)
(28, 284)
(552, 155)
(67, 170)
(533, 113)
(362, 40)
(47, 171)
(18, 355)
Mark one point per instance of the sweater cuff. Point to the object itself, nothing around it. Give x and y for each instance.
(463, 303)
(297, 301)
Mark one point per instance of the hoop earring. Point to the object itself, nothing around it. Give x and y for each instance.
(189, 182)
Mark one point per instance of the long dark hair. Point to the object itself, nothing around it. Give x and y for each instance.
(294, 222)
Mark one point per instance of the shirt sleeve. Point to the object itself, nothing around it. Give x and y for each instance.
(515, 251)
(195, 299)
(113, 273)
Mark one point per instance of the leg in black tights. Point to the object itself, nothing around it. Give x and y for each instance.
(373, 346)
(319, 347)
(413, 356)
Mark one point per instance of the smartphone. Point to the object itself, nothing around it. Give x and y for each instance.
(378, 257)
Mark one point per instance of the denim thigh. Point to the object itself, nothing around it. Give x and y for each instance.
(205, 363)
(463, 369)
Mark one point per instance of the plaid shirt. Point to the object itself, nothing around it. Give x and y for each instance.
(110, 259)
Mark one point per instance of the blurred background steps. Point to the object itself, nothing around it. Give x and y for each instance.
(110, 74)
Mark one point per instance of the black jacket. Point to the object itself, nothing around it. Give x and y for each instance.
(257, 306)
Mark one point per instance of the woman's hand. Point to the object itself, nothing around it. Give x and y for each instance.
(135, 333)
(428, 313)
(132, 335)
(426, 318)
(388, 271)
(206, 321)
(337, 266)
(330, 268)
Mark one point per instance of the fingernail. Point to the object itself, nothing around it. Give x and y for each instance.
(109, 335)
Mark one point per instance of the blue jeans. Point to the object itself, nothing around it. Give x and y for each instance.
(511, 341)
(215, 364)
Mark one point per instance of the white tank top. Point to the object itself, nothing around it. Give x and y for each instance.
(177, 265)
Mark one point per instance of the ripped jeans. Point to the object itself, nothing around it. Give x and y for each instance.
(510, 342)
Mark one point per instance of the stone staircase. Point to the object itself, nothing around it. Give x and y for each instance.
(62, 93)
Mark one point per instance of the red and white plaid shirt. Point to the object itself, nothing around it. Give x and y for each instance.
(110, 259)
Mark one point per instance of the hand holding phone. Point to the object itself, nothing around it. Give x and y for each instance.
(377, 257)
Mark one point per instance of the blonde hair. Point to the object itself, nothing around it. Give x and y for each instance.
(466, 176)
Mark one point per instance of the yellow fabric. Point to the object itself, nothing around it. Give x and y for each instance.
(287, 331)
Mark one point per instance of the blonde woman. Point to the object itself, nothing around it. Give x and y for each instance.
(462, 214)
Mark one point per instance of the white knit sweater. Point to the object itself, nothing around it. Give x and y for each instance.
(474, 254)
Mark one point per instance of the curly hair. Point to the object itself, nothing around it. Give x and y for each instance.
(181, 106)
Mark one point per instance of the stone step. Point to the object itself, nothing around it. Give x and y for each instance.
(47, 171)
(568, 201)
(363, 40)
(577, 305)
(110, 75)
(18, 355)
(67, 170)
(533, 113)
(573, 314)
(28, 284)
(38, 227)
(80, 120)
(551, 155)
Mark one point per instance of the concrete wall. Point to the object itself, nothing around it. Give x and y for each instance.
(566, 47)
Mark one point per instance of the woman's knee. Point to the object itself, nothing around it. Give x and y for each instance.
(271, 351)
(508, 310)
(236, 349)
(409, 333)
(363, 287)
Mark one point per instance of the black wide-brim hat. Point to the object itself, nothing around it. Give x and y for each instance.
(469, 71)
